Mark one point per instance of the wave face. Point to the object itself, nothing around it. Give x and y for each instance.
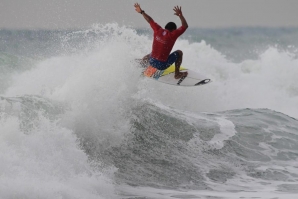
(77, 119)
(236, 151)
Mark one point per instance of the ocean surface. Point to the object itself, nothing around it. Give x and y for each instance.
(77, 119)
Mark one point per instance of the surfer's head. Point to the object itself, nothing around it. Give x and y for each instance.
(171, 26)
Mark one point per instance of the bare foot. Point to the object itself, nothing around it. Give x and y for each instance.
(180, 75)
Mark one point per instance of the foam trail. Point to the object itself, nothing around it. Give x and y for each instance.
(227, 129)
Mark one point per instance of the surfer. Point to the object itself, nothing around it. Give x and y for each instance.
(163, 42)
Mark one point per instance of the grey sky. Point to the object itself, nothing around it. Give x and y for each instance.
(64, 14)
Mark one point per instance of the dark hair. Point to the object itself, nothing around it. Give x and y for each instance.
(171, 26)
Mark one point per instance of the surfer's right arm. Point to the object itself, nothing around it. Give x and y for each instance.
(142, 12)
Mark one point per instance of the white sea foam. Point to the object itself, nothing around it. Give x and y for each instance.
(108, 70)
(46, 162)
(268, 82)
(227, 129)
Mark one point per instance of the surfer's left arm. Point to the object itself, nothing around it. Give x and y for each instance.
(142, 12)
(178, 12)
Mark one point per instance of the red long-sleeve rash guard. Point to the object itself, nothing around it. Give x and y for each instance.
(163, 41)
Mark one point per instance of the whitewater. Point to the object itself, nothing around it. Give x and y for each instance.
(78, 120)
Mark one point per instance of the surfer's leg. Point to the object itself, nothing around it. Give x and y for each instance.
(145, 61)
(146, 58)
(178, 62)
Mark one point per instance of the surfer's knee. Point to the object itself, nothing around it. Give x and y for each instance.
(180, 53)
(146, 57)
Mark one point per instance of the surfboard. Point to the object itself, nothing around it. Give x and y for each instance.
(167, 76)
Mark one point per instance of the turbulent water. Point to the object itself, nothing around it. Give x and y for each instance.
(77, 120)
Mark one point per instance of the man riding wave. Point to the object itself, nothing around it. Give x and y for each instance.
(163, 42)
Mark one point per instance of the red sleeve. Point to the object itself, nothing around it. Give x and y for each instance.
(179, 31)
(154, 25)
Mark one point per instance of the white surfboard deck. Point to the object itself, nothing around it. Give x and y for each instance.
(167, 76)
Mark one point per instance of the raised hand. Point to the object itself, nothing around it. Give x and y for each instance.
(138, 8)
(177, 10)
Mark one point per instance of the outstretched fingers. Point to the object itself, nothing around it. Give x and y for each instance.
(177, 10)
(137, 7)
